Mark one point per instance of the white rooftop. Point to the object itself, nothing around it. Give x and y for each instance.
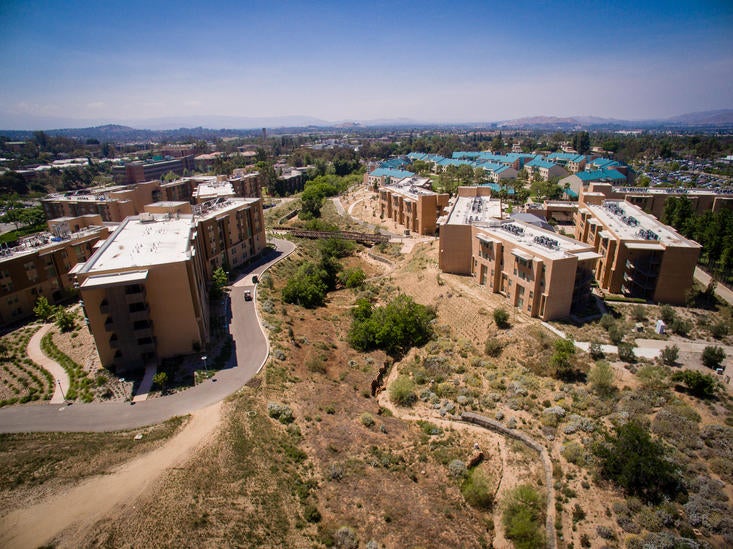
(470, 209)
(214, 189)
(219, 206)
(539, 242)
(629, 222)
(411, 187)
(143, 241)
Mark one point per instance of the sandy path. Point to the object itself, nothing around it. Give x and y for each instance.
(78, 509)
(61, 378)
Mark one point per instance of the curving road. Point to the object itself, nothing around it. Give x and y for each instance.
(251, 347)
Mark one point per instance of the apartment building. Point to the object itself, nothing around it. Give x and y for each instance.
(529, 265)
(145, 292)
(231, 230)
(39, 265)
(541, 273)
(409, 203)
(246, 185)
(544, 169)
(112, 204)
(135, 172)
(640, 257)
(212, 189)
(653, 200)
(385, 176)
(580, 180)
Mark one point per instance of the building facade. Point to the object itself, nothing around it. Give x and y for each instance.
(412, 206)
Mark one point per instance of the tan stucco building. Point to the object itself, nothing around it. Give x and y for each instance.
(640, 256)
(40, 265)
(411, 205)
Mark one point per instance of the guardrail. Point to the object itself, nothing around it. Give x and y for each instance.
(364, 238)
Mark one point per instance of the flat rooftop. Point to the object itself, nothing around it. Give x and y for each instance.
(46, 242)
(473, 209)
(411, 187)
(214, 189)
(537, 242)
(220, 206)
(629, 222)
(143, 241)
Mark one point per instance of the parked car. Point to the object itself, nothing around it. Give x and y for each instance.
(247, 295)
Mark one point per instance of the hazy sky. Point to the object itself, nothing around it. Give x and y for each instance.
(102, 61)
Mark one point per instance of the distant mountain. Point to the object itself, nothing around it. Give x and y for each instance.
(722, 117)
(228, 122)
(556, 122)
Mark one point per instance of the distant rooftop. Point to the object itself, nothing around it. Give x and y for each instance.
(389, 172)
(601, 175)
(214, 189)
(467, 210)
(411, 187)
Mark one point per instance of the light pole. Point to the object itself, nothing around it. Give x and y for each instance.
(61, 389)
(203, 358)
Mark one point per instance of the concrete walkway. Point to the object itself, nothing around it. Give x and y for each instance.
(146, 384)
(61, 378)
(723, 292)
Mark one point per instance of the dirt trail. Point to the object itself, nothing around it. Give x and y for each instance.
(77, 510)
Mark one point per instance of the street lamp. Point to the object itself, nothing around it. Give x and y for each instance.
(203, 358)
(61, 389)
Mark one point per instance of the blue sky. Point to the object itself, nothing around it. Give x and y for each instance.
(99, 61)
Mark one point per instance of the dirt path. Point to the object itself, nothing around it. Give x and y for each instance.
(76, 511)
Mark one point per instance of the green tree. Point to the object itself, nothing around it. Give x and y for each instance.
(713, 356)
(307, 287)
(523, 517)
(636, 463)
(43, 309)
(219, 281)
(698, 384)
(394, 328)
(562, 358)
(65, 319)
(160, 380)
(476, 489)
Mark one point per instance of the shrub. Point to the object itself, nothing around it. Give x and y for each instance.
(635, 462)
(43, 309)
(670, 354)
(626, 353)
(402, 391)
(607, 321)
(698, 384)
(523, 518)
(681, 327)
(160, 380)
(578, 513)
(667, 313)
(367, 420)
(574, 453)
(493, 347)
(352, 278)
(311, 513)
(596, 350)
(616, 334)
(394, 328)
(501, 318)
(476, 490)
(653, 378)
(713, 356)
(65, 320)
(719, 330)
(601, 378)
(638, 313)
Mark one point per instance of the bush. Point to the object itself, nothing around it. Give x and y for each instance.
(670, 354)
(699, 384)
(160, 380)
(601, 378)
(626, 353)
(394, 328)
(476, 490)
(43, 309)
(522, 518)
(501, 318)
(667, 313)
(713, 356)
(402, 391)
(607, 321)
(635, 462)
(352, 278)
(681, 327)
(367, 420)
(561, 359)
(307, 287)
(638, 312)
(719, 330)
(616, 334)
(493, 347)
(596, 350)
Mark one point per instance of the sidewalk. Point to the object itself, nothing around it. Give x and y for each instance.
(61, 378)
(721, 291)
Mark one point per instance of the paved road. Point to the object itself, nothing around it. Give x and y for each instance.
(721, 291)
(251, 347)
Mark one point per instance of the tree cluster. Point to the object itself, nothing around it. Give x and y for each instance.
(394, 328)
